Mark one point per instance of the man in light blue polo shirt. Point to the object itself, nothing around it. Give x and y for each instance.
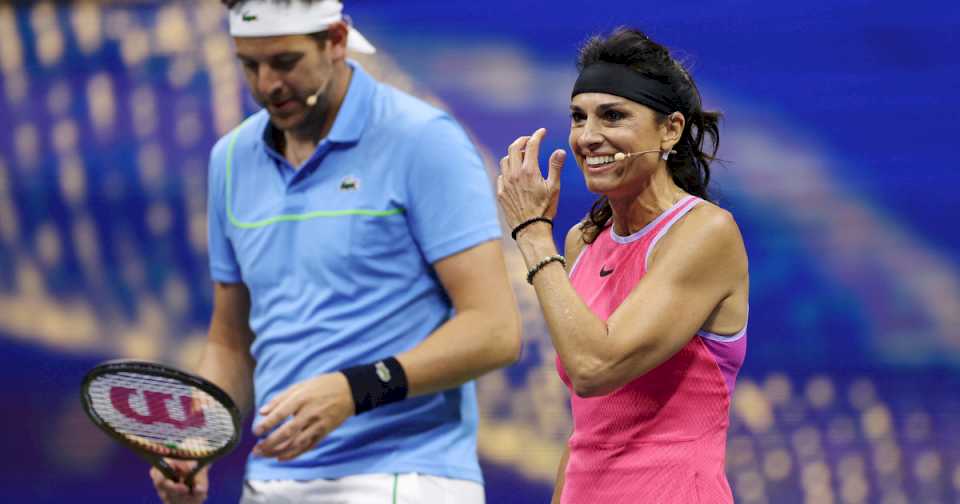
(359, 284)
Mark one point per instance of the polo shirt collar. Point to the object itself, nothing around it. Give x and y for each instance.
(355, 109)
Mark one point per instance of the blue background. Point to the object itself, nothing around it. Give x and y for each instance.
(838, 139)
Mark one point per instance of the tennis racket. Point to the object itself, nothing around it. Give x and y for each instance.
(158, 411)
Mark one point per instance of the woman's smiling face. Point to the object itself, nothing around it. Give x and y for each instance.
(601, 125)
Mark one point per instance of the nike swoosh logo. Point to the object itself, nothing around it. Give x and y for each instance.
(604, 272)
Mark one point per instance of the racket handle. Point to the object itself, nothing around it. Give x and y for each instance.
(189, 479)
(167, 471)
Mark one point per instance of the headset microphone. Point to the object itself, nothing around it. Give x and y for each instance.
(620, 156)
(312, 99)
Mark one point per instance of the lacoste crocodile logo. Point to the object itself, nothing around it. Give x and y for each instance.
(349, 184)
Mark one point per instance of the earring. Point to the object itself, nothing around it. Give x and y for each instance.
(666, 154)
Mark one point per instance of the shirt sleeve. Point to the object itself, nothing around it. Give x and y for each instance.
(223, 261)
(451, 205)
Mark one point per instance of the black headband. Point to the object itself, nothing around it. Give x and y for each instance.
(622, 81)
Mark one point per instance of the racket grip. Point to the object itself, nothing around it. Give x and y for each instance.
(167, 471)
(189, 479)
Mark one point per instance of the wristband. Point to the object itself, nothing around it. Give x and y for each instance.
(374, 385)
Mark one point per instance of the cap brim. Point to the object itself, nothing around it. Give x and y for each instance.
(357, 42)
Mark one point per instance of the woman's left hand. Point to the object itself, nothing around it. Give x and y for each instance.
(522, 191)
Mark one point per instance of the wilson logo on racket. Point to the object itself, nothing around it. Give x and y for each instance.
(157, 411)
(161, 412)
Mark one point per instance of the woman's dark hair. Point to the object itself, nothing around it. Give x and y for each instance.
(690, 166)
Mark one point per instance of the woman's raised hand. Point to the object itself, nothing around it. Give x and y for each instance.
(522, 191)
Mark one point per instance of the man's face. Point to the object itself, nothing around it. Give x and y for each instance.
(283, 72)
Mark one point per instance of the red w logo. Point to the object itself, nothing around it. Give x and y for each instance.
(156, 408)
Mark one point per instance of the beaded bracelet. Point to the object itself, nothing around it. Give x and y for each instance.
(543, 262)
(513, 234)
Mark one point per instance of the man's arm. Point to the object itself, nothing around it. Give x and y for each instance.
(226, 357)
(226, 361)
(449, 201)
(483, 334)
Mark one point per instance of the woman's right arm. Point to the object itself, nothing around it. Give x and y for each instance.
(561, 471)
(572, 246)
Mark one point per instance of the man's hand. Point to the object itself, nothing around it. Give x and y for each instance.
(172, 492)
(315, 407)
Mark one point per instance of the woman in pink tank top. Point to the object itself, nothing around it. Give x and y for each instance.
(647, 310)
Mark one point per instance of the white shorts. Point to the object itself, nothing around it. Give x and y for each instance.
(408, 488)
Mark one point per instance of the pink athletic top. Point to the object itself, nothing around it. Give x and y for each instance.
(660, 438)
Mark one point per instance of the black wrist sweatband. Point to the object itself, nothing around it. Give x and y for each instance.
(376, 384)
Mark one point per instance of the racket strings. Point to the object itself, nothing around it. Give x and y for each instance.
(162, 415)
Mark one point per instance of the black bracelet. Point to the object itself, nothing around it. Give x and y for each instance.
(543, 262)
(513, 234)
(374, 385)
